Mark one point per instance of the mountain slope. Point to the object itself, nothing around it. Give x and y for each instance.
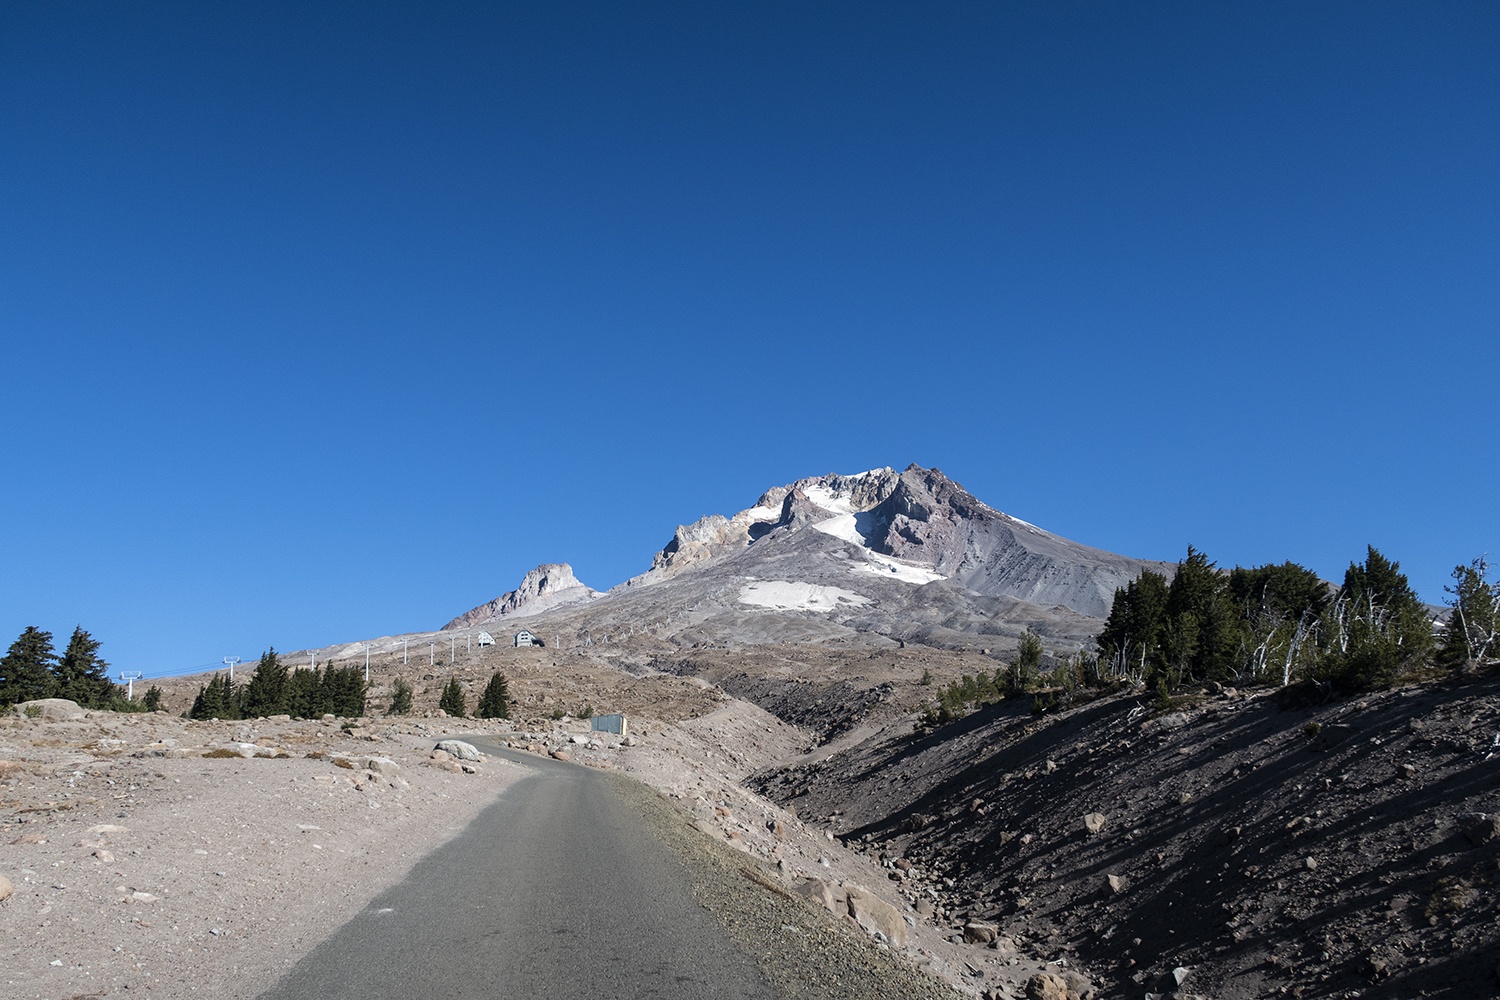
(909, 556)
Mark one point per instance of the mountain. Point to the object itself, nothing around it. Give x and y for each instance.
(908, 556)
(549, 586)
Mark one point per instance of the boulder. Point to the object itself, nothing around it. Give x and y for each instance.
(6, 889)
(981, 932)
(460, 750)
(876, 916)
(1048, 986)
(1480, 828)
(382, 765)
(1078, 984)
(1094, 822)
(1117, 883)
(51, 710)
(562, 755)
(816, 890)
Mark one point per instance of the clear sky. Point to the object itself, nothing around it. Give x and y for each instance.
(323, 321)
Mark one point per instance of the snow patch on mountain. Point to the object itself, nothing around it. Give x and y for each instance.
(857, 528)
(786, 595)
(895, 569)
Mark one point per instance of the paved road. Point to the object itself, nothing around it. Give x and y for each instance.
(558, 890)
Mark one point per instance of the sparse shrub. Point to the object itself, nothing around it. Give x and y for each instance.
(33, 711)
(343, 762)
(221, 753)
(1313, 728)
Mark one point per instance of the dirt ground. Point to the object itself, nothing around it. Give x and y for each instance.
(142, 868)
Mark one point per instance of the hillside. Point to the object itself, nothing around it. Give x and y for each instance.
(1343, 849)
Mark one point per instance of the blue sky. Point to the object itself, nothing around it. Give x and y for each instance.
(327, 321)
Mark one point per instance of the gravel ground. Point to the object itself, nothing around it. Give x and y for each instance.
(142, 868)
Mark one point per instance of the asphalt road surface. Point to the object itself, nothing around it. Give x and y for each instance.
(557, 890)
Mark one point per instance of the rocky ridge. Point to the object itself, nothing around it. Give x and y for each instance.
(549, 586)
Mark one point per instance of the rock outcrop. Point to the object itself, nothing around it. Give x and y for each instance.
(549, 586)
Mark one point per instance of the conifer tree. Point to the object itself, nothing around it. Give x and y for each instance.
(152, 699)
(343, 691)
(26, 669)
(304, 693)
(400, 698)
(81, 675)
(216, 700)
(1376, 627)
(1131, 641)
(495, 702)
(266, 692)
(453, 701)
(1473, 626)
(1022, 672)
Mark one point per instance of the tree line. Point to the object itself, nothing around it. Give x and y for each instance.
(274, 689)
(1275, 624)
(1281, 624)
(32, 669)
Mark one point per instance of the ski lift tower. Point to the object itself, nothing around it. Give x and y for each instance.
(130, 677)
(230, 661)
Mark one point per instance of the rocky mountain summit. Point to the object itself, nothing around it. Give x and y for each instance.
(549, 586)
(909, 556)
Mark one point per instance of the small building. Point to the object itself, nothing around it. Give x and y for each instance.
(525, 638)
(609, 724)
(485, 639)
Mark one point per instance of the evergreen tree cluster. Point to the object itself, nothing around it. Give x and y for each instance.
(1274, 624)
(31, 669)
(273, 689)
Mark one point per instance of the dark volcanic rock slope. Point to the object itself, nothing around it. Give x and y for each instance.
(1346, 850)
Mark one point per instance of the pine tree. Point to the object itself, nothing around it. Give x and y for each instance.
(495, 702)
(1473, 626)
(81, 675)
(1021, 674)
(1203, 630)
(266, 693)
(26, 669)
(1376, 628)
(453, 701)
(216, 700)
(344, 691)
(400, 698)
(1132, 638)
(304, 693)
(152, 699)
